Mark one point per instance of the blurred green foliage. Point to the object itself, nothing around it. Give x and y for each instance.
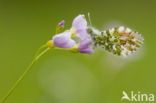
(64, 77)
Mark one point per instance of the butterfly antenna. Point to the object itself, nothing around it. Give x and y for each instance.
(89, 19)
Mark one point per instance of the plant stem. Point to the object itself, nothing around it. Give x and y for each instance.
(23, 75)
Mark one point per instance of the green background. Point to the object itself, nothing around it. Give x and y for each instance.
(64, 77)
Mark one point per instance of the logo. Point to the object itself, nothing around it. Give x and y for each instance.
(137, 96)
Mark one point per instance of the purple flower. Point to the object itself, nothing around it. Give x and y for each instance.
(63, 40)
(84, 46)
(79, 30)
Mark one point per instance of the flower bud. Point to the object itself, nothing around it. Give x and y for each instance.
(61, 24)
(60, 27)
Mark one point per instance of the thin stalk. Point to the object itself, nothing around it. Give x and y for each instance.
(23, 75)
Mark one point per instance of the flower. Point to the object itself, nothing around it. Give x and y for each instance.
(63, 40)
(77, 36)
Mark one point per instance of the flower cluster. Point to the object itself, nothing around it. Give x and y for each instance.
(76, 39)
(119, 40)
(82, 38)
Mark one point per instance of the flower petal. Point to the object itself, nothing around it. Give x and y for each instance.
(63, 40)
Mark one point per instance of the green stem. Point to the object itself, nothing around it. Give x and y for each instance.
(38, 51)
(23, 75)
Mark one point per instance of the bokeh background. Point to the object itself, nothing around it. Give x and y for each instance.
(64, 77)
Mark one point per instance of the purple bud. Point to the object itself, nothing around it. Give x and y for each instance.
(61, 24)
